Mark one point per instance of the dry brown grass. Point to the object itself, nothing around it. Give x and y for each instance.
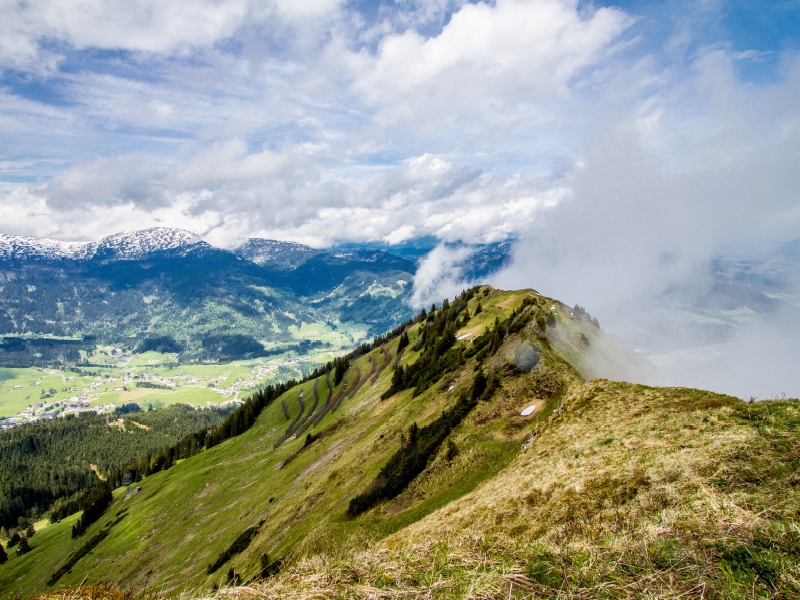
(85, 592)
(630, 492)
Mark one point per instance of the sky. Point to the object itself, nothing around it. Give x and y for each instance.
(620, 145)
(391, 120)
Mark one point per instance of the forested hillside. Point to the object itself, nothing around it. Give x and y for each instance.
(49, 464)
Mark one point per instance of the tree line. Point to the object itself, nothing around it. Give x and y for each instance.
(44, 466)
(439, 356)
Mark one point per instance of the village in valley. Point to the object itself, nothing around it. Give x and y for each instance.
(150, 380)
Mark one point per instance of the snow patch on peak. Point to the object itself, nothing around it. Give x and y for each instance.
(274, 253)
(22, 247)
(125, 245)
(140, 243)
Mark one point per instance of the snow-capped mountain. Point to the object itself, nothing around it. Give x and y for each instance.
(136, 244)
(166, 282)
(21, 247)
(120, 246)
(275, 254)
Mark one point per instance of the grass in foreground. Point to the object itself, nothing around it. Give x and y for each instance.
(631, 492)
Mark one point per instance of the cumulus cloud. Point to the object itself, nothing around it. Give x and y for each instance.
(281, 195)
(127, 179)
(487, 56)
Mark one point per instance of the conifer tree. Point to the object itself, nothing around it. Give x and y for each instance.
(342, 365)
(403, 341)
(479, 385)
(398, 378)
(3, 555)
(24, 546)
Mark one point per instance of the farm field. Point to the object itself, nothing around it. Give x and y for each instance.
(96, 386)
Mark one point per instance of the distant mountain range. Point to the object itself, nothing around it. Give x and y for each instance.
(120, 246)
(168, 284)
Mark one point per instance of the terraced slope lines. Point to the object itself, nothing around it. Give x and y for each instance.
(427, 482)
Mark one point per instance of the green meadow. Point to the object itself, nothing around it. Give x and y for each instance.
(23, 388)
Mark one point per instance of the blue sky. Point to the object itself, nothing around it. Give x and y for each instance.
(470, 122)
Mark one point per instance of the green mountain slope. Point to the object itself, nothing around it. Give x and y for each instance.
(629, 492)
(563, 499)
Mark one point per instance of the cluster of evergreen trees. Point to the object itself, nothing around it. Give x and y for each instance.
(437, 339)
(93, 505)
(585, 314)
(419, 446)
(160, 343)
(152, 385)
(439, 356)
(45, 465)
(27, 352)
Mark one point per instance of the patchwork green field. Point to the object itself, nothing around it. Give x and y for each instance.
(111, 377)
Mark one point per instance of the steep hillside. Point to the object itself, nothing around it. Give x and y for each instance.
(186, 517)
(626, 492)
(414, 473)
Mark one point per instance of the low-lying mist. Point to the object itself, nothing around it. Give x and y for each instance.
(687, 265)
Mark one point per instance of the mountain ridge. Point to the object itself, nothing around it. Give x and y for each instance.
(512, 474)
(353, 431)
(119, 246)
(167, 282)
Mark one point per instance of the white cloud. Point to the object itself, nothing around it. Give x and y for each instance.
(652, 206)
(490, 62)
(282, 195)
(399, 235)
(136, 25)
(126, 179)
(439, 276)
